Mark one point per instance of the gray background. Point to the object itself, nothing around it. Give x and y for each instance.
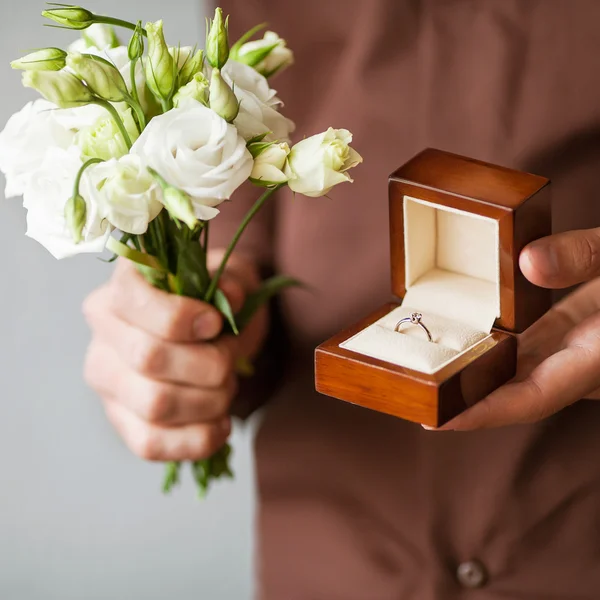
(80, 518)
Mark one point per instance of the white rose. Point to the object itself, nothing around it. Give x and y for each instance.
(24, 141)
(195, 150)
(124, 192)
(258, 104)
(47, 193)
(278, 59)
(320, 162)
(269, 165)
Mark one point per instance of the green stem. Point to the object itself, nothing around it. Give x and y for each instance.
(206, 230)
(89, 163)
(115, 115)
(134, 101)
(236, 238)
(117, 23)
(167, 105)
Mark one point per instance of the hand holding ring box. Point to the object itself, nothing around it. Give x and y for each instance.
(457, 227)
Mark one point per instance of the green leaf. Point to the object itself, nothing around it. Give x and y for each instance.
(253, 57)
(222, 304)
(140, 258)
(192, 273)
(171, 476)
(249, 34)
(269, 288)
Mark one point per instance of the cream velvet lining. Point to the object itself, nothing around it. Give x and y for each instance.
(452, 278)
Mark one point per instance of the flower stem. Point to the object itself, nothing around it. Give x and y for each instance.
(89, 163)
(134, 101)
(115, 115)
(212, 288)
(117, 23)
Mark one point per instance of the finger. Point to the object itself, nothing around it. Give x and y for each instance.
(167, 316)
(207, 365)
(563, 378)
(562, 260)
(154, 401)
(155, 443)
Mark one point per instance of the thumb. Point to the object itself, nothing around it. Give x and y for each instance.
(562, 260)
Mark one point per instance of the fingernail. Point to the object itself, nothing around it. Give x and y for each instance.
(544, 258)
(206, 326)
(426, 427)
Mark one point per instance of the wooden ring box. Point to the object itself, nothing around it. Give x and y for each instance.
(457, 227)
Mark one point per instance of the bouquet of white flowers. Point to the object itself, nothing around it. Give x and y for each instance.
(148, 143)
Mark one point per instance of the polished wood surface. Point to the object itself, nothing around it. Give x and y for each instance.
(430, 399)
(519, 202)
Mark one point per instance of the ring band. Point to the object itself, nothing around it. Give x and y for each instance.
(414, 319)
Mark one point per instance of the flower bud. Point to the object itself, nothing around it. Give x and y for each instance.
(178, 203)
(60, 88)
(71, 17)
(222, 99)
(269, 163)
(217, 40)
(135, 49)
(196, 89)
(75, 217)
(318, 163)
(101, 76)
(47, 59)
(191, 67)
(267, 56)
(160, 66)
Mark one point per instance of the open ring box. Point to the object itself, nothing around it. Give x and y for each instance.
(457, 227)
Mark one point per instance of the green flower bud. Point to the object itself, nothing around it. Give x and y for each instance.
(222, 98)
(217, 40)
(160, 66)
(178, 203)
(47, 59)
(135, 50)
(76, 216)
(58, 87)
(197, 89)
(104, 139)
(101, 76)
(191, 67)
(71, 17)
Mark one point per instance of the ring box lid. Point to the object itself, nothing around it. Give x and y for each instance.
(457, 228)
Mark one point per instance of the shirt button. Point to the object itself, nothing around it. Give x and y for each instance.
(471, 574)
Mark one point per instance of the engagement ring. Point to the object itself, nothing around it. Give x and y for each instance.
(414, 319)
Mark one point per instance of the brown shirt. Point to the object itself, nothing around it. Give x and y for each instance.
(355, 504)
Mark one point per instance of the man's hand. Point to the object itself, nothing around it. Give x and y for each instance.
(559, 356)
(164, 375)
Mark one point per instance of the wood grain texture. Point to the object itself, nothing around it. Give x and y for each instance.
(430, 399)
(519, 202)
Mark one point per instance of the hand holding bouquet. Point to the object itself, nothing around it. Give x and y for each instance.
(134, 148)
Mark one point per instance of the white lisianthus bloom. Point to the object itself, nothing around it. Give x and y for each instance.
(269, 165)
(258, 104)
(320, 162)
(197, 151)
(98, 36)
(45, 198)
(25, 140)
(103, 139)
(279, 58)
(124, 193)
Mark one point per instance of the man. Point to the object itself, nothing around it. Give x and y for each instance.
(355, 504)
